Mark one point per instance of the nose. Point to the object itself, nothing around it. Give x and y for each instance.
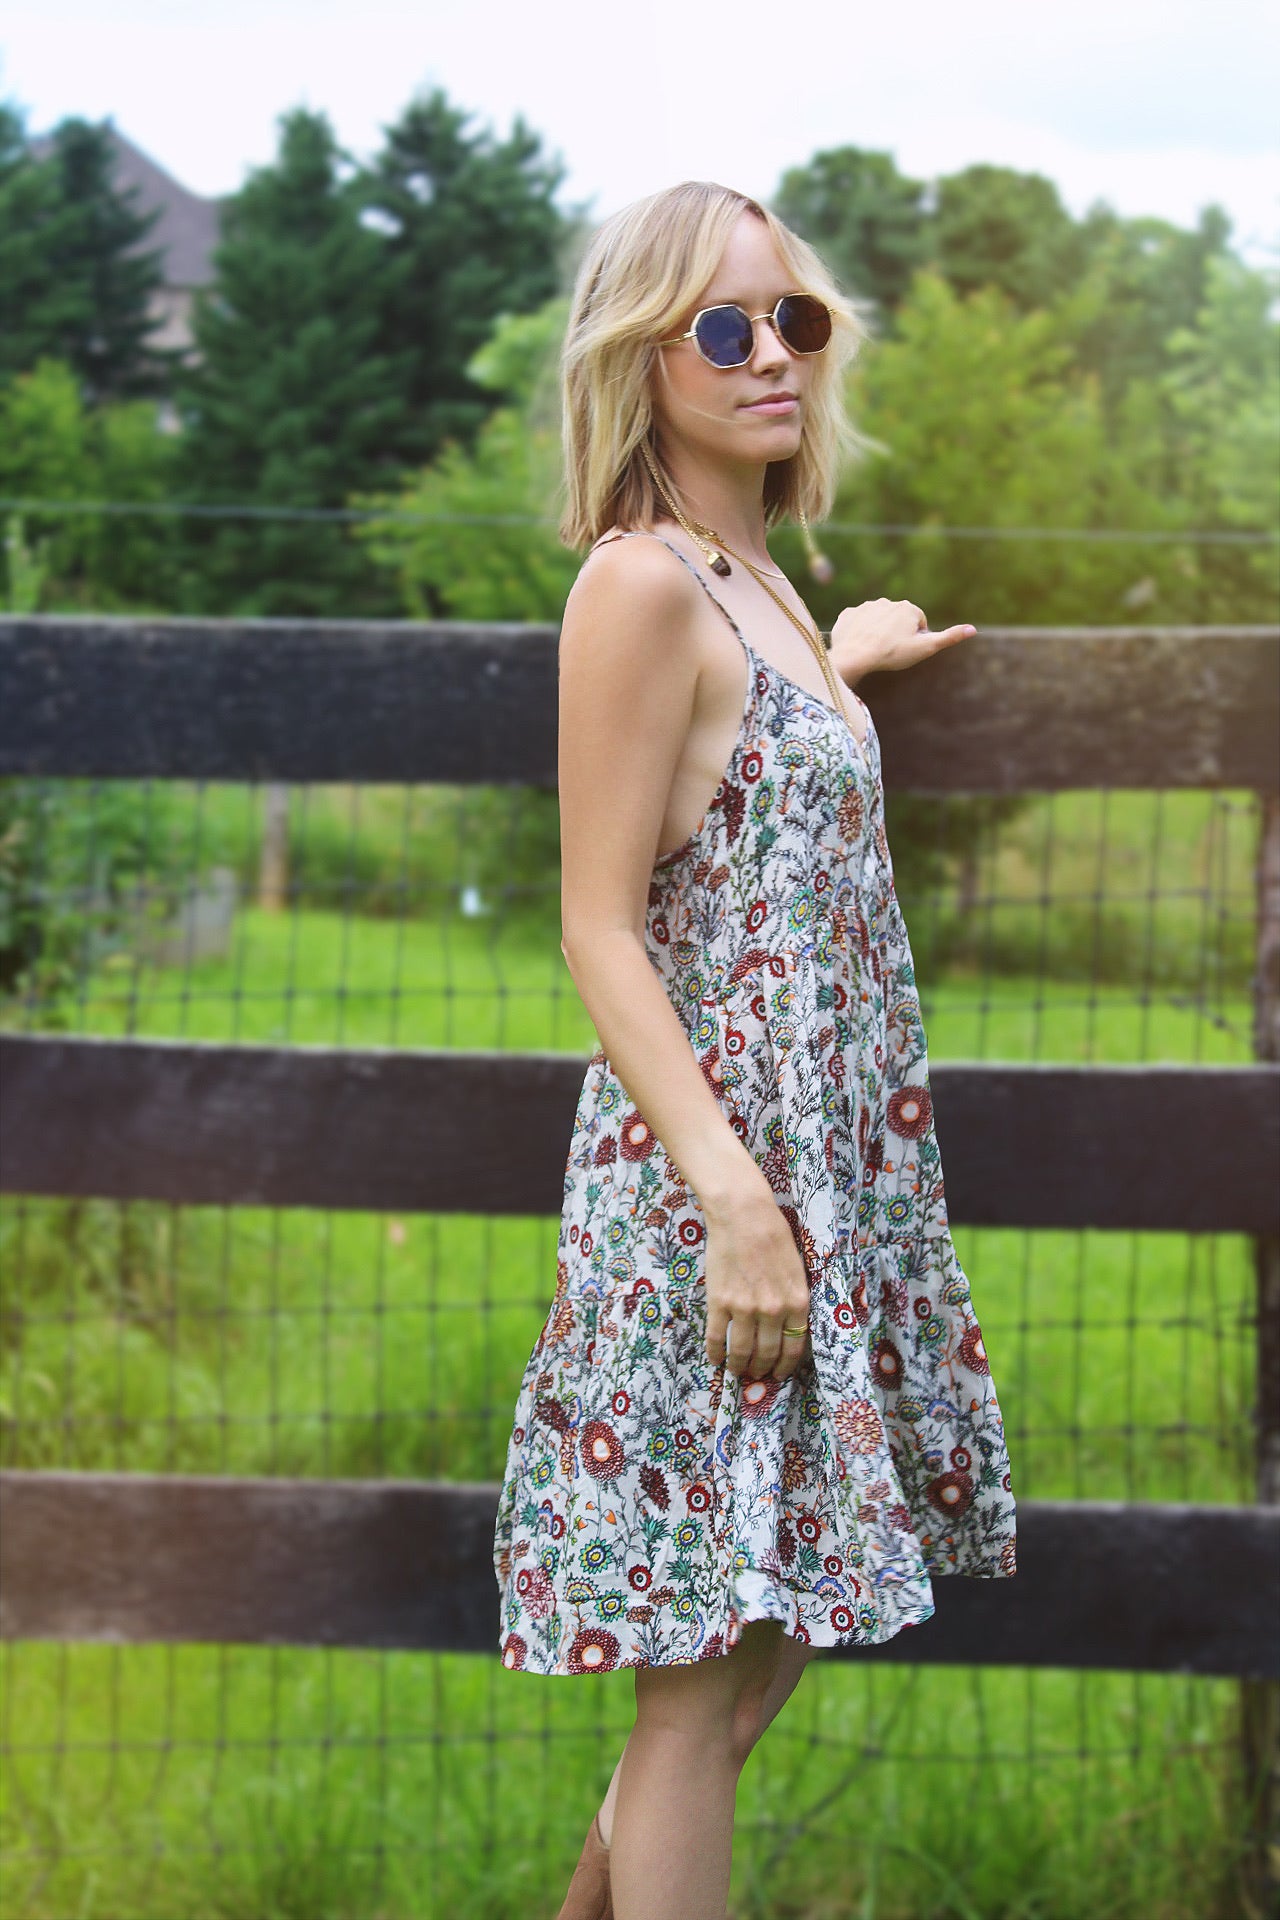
(769, 351)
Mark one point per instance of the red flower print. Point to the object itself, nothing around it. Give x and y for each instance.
(621, 1401)
(752, 764)
(735, 1041)
(691, 1232)
(908, 1112)
(950, 1492)
(602, 1453)
(757, 914)
(859, 1426)
(972, 1351)
(698, 1497)
(683, 1437)
(553, 1414)
(607, 1151)
(654, 1484)
(808, 1529)
(661, 932)
(593, 1651)
(513, 1651)
(638, 1138)
(759, 1395)
(640, 1578)
(712, 1069)
(748, 962)
(844, 1315)
(886, 1364)
(960, 1457)
(557, 1526)
(842, 1619)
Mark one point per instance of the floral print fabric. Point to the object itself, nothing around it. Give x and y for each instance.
(652, 1504)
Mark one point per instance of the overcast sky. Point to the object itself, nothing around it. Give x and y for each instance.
(1158, 106)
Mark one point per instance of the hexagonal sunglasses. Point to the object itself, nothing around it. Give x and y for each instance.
(725, 336)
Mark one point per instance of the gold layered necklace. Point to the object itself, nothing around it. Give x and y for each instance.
(707, 539)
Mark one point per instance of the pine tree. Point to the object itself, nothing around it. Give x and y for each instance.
(292, 403)
(471, 232)
(75, 280)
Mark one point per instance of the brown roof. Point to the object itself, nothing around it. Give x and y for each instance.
(186, 232)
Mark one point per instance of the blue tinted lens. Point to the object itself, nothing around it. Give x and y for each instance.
(724, 336)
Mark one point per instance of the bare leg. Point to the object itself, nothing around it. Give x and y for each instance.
(792, 1658)
(676, 1784)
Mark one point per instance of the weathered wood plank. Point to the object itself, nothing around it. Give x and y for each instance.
(1014, 708)
(397, 1563)
(1192, 1149)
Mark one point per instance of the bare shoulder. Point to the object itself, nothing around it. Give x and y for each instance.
(628, 592)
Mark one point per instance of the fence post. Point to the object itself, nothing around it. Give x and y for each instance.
(1260, 1699)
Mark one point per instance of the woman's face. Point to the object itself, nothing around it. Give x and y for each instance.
(709, 409)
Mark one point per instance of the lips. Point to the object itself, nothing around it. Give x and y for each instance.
(782, 402)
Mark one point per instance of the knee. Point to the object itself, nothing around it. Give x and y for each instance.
(747, 1721)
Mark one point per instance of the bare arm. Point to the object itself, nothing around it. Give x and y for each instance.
(628, 680)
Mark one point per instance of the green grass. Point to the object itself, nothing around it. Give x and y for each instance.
(233, 1783)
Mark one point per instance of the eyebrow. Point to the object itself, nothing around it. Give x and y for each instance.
(738, 300)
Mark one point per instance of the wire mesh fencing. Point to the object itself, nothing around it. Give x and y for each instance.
(1097, 926)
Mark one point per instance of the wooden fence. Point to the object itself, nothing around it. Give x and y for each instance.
(93, 1556)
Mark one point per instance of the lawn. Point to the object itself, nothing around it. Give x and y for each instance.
(179, 1783)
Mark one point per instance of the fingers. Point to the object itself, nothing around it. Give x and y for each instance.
(717, 1325)
(757, 1344)
(793, 1345)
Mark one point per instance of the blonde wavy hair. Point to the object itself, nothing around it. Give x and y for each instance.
(641, 272)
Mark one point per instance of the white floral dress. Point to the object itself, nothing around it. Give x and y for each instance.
(652, 1503)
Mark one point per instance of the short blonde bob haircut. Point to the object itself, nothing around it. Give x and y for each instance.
(642, 271)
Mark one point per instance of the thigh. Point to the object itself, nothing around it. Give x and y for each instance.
(718, 1684)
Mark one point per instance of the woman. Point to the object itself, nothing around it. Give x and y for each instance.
(759, 1414)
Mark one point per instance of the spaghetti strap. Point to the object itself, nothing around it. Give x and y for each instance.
(624, 533)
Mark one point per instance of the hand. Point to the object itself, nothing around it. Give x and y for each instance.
(885, 636)
(756, 1279)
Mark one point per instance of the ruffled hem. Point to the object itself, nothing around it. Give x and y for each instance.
(609, 1646)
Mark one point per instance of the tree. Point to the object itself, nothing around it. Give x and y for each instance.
(865, 218)
(1141, 280)
(53, 447)
(997, 227)
(461, 539)
(470, 231)
(293, 402)
(75, 281)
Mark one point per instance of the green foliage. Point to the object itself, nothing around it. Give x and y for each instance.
(998, 227)
(75, 279)
(293, 401)
(502, 568)
(866, 219)
(53, 447)
(25, 568)
(470, 232)
(85, 868)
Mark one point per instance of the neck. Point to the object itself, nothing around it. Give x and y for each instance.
(728, 498)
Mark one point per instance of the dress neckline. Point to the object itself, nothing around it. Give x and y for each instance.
(771, 666)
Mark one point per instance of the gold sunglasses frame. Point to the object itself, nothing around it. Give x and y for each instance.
(801, 353)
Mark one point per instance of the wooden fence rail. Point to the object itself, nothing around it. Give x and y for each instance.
(140, 1557)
